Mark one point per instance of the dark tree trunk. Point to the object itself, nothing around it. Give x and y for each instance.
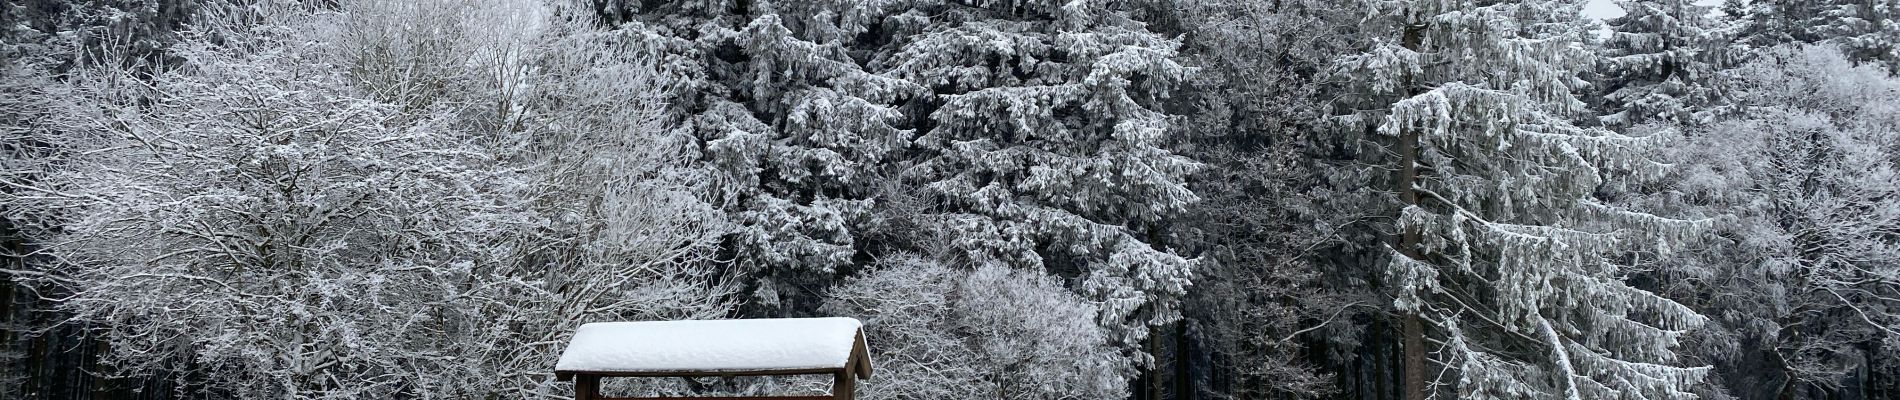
(1183, 374)
(1415, 388)
(1412, 329)
(1405, 175)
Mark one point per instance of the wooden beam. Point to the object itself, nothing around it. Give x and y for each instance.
(700, 374)
(587, 384)
(827, 397)
(860, 363)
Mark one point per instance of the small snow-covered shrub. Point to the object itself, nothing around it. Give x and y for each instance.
(940, 332)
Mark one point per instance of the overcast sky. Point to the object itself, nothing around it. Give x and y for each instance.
(1606, 9)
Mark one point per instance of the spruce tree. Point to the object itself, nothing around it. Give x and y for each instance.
(1500, 250)
(1765, 23)
(1048, 146)
(794, 128)
(1034, 130)
(1658, 60)
(1283, 229)
(1864, 29)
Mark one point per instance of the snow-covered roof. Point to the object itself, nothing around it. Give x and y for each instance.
(713, 346)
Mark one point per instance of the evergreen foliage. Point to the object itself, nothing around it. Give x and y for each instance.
(1022, 199)
(1499, 244)
(1659, 60)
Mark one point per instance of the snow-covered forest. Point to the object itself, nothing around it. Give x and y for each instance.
(1020, 199)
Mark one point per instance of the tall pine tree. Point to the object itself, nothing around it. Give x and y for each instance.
(1500, 251)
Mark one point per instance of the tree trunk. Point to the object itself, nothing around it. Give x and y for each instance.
(1413, 329)
(1789, 381)
(1153, 382)
(1375, 383)
(1183, 386)
(1415, 388)
(1405, 176)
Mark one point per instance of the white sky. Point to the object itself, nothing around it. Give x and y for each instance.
(1606, 9)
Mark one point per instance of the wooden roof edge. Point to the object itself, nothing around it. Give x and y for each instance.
(699, 373)
(860, 357)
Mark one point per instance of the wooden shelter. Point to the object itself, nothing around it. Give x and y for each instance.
(717, 348)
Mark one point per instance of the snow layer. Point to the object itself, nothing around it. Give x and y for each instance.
(714, 345)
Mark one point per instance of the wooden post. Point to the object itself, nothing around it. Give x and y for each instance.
(844, 383)
(844, 386)
(586, 387)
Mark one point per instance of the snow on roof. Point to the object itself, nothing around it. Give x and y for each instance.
(711, 345)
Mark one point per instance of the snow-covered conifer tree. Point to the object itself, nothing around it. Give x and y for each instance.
(1499, 254)
(1034, 130)
(797, 131)
(1286, 220)
(1863, 29)
(1658, 61)
(1765, 23)
(1049, 145)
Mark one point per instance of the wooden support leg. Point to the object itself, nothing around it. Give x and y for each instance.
(586, 387)
(844, 385)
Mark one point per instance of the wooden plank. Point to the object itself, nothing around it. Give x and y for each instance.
(826, 397)
(587, 384)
